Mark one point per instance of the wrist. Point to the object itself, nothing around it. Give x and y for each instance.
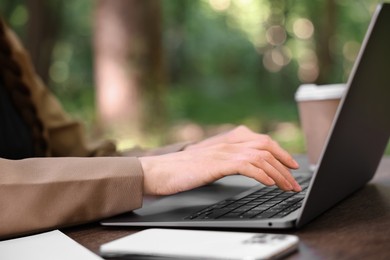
(146, 168)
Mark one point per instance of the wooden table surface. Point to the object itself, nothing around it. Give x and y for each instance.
(356, 228)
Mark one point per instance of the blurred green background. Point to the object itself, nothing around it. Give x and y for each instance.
(227, 62)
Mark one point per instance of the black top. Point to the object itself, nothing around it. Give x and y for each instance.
(15, 136)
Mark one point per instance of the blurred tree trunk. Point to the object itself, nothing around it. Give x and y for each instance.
(43, 27)
(326, 15)
(129, 69)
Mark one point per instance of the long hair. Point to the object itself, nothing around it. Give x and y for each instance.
(11, 75)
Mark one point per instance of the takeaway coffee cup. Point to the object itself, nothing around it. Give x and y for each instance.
(317, 106)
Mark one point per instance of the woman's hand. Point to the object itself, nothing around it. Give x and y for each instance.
(238, 151)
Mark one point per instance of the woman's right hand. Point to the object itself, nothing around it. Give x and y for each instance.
(256, 156)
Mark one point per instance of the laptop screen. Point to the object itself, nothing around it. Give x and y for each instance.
(361, 129)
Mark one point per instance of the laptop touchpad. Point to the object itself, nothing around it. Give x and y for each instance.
(200, 197)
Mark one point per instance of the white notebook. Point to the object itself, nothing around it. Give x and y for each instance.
(45, 246)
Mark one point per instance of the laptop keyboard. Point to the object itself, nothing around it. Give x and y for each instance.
(264, 203)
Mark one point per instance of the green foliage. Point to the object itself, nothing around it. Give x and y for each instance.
(217, 74)
(72, 68)
(229, 61)
(15, 13)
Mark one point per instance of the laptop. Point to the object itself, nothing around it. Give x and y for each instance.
(353, 151)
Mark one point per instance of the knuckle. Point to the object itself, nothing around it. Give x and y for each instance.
(241, 164)
(236, 133)
(241, 128)
(266, 140)
(261, 172)
(266, 155)
(257, 156)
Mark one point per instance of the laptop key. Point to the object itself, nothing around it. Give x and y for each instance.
(264, 203)
(266, 214)
(217, 213)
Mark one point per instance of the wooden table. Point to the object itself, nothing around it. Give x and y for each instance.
(356, 228)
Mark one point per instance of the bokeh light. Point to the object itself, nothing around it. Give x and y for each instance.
(219, 5)
(303, 28)
(276, 35)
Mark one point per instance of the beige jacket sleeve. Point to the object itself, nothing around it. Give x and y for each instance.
(43, 193)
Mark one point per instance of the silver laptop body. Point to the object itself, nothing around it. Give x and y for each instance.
(358, 139)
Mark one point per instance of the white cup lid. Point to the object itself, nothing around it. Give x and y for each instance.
(307, 92)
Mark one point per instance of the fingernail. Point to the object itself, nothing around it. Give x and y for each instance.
(289, 186)
(296, 163)
(297, 187)
(270, 181)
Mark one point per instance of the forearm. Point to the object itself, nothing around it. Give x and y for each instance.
(39, 194)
